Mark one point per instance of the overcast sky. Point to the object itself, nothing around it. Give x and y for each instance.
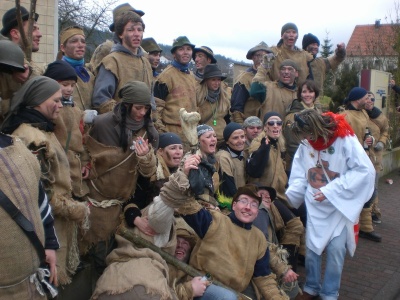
(231, 28)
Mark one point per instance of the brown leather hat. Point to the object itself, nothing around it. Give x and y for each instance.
(120, 9)
(207, 51)
(261, 46)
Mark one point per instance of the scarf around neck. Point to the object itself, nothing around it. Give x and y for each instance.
(78, 65)
(29, 116)
(213, 96)
(183, 68)
(341, 130)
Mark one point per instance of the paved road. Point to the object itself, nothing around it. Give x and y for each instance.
(374, 271)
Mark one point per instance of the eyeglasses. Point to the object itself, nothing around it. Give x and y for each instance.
(272, 123)
(246, 202)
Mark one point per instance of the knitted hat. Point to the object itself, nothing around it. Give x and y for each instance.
(261, 46)
(269, 115)
(289, 62)
(230, 128)
(252, 121)
(60, 70)
(271, 190)
(308, 39)
(10, 19)
(119, 10)
(207, 51)
(68, 32)
(150, 45)
(289, 26)
(201, 129)
(135, 92)
(249, 190)
(168, 138)
(179, 42)
(355, 94)
(211, 71)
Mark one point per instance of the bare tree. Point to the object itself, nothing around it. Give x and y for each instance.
(26, 38)
(93, 16)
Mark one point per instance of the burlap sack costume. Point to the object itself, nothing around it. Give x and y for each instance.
(182, 94)
(19, 180)
(68, 132)
(113, 180)
(299, 56)
(141, 268)
(245, 78)
(213, 114)
(68, 213)
(274, 174)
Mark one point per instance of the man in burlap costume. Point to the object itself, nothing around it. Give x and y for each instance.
(320, 66)
(202, 56)
(275, 96)
(11, 64)
(285, 49)
(19, 260)
(244, 247)
(140, 273)
(380, 131)
(72, 49)
(126, 62)
(359, 120)
(11, 83)
(105, 48)
(154, 53)
(33, 109)
(175, 88)
(241, 87)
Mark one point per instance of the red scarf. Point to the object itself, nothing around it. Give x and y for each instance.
(342, 129)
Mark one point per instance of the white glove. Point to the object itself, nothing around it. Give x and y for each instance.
(379, 146)
(89, 116)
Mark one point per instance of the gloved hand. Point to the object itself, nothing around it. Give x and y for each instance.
(258, 91)
(379, 146)
(268, 60)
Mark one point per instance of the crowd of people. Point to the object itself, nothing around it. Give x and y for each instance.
(258, 179)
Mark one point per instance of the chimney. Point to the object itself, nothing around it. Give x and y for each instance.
(378, 23)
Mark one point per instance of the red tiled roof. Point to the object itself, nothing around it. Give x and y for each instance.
(369, 40)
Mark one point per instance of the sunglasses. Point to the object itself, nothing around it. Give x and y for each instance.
(272, 123)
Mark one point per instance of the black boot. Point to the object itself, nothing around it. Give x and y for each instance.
(373, 236)
(293, 251)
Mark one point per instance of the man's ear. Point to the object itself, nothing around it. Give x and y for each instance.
(15, 35)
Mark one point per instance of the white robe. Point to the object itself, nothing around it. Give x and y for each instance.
(345, 195)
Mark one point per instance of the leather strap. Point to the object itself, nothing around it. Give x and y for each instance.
(24, 223)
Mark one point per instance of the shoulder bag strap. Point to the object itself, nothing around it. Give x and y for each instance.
(24, 223)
